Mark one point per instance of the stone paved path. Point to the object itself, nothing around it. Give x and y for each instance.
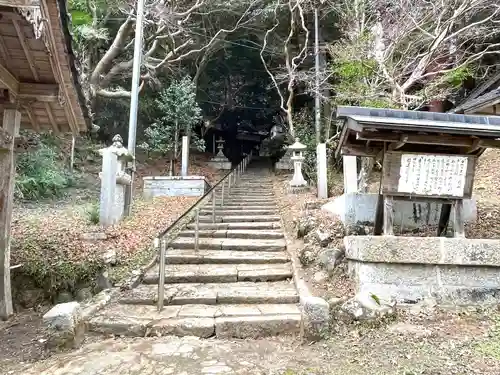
(448, 346)
(239, 283)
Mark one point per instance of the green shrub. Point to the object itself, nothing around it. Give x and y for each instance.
(41, 174)
(93, 213)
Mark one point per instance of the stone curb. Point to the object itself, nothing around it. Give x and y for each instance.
(315, 319)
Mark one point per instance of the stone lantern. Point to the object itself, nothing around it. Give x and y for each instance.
(297, 150)
(220, 161)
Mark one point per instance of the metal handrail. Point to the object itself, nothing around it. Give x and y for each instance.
(169, 233)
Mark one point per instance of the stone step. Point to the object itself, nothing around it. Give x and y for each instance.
(239, 219)
(243, 202)
(242, 292)
(257, 234)
(175, 256)
(232, 212)
(219, 273)
(223, 321)
(235, 244)
(250, 191)
(246, 195)
(242, 206)
(237, 225)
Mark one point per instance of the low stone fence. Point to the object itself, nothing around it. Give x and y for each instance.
(175, 186)
(409, 269)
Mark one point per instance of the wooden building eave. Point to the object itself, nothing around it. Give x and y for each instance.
(38, 73)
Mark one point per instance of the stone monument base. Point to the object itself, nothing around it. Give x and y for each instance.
(285, 163)
(454, 271)
(355, 208)
(221, 164)
(174, 186)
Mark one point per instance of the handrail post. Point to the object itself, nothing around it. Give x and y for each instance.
(213, 206)
(229, 183)
(222, 195)
(197, 229)
(161, 276)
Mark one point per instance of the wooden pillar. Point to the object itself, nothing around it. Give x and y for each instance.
(11, 123)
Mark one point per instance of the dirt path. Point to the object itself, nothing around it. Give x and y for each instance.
(446, 344)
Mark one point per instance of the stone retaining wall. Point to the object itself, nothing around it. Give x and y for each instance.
(174, 186)
(409, 269)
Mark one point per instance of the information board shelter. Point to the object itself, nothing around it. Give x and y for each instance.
(426, 156)
(39, 90)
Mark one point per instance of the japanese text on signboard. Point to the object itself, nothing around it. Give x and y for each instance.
(441, 175)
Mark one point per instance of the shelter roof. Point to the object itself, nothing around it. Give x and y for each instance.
(38, 71)
(366, 131)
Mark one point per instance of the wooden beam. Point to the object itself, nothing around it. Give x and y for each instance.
(397, 145)
(51, 118)
(11, 123)
(438, 139)
(26, 49)
(39, 91)
(31, 117)
(8, 81)
(354, 150)
(55, 63)
(476, 145)
(19, 3)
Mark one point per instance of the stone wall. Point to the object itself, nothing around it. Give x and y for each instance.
(174, 186)
(409, 269)
(354, 208)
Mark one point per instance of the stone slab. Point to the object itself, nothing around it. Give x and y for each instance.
(257, 326)
(174, 186)
(238, 225)
(193, 273)
(236, 233)
(423, 250)
(264, 272)
(239, 219)
(210, 294)
(219, 273)
(238, 212)
(354, 208)
(235, 244)
(224, 257)
(409, 283)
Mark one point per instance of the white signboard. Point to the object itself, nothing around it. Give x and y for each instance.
(432, 175)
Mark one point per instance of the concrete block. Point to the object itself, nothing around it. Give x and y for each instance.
(354, 208)
(174, 186)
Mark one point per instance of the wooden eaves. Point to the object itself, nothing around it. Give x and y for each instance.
(366, 131)
(38, 72)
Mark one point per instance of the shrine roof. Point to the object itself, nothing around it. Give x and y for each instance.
(38, 69)
(373, 128)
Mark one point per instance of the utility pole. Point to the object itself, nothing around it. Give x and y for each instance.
(316, 66)
(134, 100)
(321, 160)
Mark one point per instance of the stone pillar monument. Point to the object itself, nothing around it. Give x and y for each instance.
(114, 179)
(220, 161)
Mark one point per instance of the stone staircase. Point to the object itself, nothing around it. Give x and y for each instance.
(237, 284)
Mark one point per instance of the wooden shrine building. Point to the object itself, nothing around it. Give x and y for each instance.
(426, 156)
(39, 90)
